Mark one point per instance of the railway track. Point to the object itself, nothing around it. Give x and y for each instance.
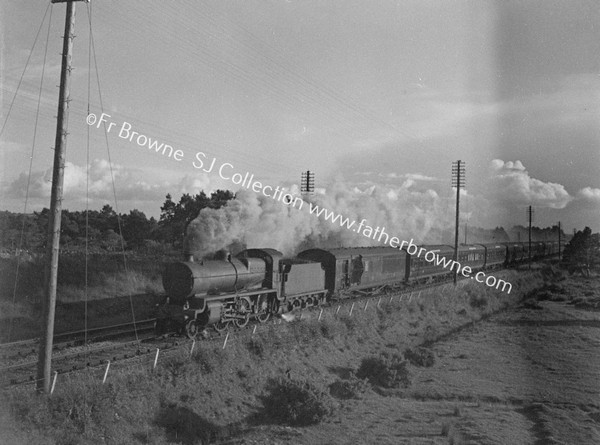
(111, 343)
(19, 358)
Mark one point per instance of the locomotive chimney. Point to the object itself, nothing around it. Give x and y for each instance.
(188, 256)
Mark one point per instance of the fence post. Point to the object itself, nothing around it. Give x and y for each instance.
(320, 314)
(54, 382)
(351, 309)
(225, 342)
(106, 372)
(156, 358)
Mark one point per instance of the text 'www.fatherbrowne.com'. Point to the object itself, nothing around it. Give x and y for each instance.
(379, 234)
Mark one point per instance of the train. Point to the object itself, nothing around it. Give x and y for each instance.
(259, 283)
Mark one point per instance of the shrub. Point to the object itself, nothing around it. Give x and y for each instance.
(296, 402)
(182, 425)
(256, 346)
(210, 359)
(306, 331)
(420, 357)
(478, 301)
(387, 371)
(332, 328)
(353, 388)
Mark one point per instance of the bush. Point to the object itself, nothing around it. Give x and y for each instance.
(296, 402)
(421, 357)
(256, 346)
(182, 425)
(210, 359)
(478, 301)
(353, 388)
(387, 371)
(332, 328)
(306, 331)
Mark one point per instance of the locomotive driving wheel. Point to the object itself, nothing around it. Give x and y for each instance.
(243, 313)
(263, 309)
(193, 329)
(221, 326)
(262, 318)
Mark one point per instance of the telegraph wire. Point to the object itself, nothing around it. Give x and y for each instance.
(25, 68)
(112, 175)
(31, 156)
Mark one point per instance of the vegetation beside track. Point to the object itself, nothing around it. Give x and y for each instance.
(217, 393)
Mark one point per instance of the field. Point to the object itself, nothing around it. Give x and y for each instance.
(418, 371)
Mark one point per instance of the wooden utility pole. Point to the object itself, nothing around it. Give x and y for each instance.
(559, 241)
(529, 214)
(54, 220)
(307, 183)
(458, 181)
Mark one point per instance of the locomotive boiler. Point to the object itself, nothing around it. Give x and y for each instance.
(256, 283)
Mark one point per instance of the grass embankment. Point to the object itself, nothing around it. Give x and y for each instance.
(108, 277)
(295, 373)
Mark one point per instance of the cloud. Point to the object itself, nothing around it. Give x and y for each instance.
(134, 187)
(98, 180)
(511, 184)
(589, 194)
(76, 182)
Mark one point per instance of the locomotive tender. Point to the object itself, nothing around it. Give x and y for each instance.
(257, 283)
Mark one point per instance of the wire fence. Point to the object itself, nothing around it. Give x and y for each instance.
(152, 360)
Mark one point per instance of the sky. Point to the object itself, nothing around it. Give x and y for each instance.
(376, 98)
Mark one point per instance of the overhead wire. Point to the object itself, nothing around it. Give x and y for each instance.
(31, 156)
(24, 70)
(264, 80)
(110, 164)
(295, 72)
(206, 56)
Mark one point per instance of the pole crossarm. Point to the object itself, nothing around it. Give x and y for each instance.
(458, 181)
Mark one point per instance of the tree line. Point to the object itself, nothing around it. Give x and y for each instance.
(105, 230)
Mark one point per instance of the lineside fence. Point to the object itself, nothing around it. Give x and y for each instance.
(152, 360)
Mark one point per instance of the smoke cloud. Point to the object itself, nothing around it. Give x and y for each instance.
(254, 220)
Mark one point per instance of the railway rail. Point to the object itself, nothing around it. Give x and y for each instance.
(114, 343)
(20, 358)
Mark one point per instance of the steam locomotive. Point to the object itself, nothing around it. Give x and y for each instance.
(257, 283)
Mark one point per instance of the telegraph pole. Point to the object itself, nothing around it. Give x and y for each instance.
(54, 220)
(458, 181)
(559, 241)
(530, 214)
(307, 183)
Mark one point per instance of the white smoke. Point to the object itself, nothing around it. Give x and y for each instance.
(254, 220)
